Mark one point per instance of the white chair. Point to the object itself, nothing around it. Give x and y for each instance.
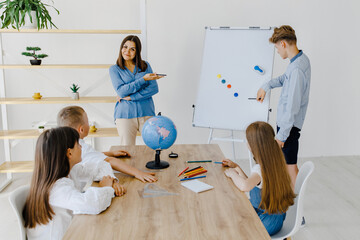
(295, 213)
(17, 201)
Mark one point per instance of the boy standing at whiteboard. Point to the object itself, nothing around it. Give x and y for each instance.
(294, 96)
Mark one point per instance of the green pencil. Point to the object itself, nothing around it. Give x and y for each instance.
(199, 161)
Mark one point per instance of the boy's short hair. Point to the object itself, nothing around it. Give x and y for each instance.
(71, 116)
(284, 32)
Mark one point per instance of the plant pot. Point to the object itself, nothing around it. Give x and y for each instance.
(35, 61)
(75, 95)
(28, 24)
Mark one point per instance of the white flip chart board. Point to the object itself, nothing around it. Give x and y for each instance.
(236, 62)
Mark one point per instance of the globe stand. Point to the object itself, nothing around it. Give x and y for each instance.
(157, 164)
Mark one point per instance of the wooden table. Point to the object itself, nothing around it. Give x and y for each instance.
(221, 213)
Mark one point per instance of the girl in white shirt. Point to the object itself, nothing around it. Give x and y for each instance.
(269, 183)
(53, 197)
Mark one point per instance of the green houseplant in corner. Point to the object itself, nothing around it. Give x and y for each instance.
(36, 60)
(15, 13)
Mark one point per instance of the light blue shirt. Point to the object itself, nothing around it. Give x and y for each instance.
(127, 83)
(294, 96)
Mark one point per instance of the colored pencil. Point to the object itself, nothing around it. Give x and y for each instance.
(192, 169)
(183, 171)
(185, 179)
(195, 174)
(195, 171)
(218, 162)
(199, 161)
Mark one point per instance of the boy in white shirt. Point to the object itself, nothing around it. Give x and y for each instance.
(76, 117)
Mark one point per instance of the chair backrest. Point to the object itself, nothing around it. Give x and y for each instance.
(17, 201)
(295, 213)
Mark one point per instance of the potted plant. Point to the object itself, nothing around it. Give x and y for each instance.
(74, 89)
(15, 12)
(36, 60)
(41, 128)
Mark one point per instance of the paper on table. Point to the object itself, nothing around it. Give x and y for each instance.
(197, 186)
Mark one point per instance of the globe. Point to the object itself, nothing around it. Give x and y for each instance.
(158, 133)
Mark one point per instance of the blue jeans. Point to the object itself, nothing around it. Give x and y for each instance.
(272, 222)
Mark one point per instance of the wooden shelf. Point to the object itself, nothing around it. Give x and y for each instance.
(58, 100)
(34, 133)
(17, 167)
(71, 31)
(56, 66)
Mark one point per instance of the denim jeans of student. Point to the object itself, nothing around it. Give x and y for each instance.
(272, 222)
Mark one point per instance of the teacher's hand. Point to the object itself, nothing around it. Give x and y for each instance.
(118, 99)
(260, 95)
(152, 76)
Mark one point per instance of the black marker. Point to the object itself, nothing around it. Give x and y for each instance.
(252, 98)
(161, 74)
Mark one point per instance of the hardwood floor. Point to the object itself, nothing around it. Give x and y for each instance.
(332, 203)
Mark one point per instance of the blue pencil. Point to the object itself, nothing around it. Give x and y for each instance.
(184, 179)
(218, 162)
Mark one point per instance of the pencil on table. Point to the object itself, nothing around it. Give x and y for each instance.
(195, 171)
(195, 174)
(183, 171)
(192, 169)
(185, 179)
(199, 161)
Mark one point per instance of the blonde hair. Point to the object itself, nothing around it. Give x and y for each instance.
(71, 116)
(284, 32)
(276, 194)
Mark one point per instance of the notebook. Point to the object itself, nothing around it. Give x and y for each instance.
(197, 186)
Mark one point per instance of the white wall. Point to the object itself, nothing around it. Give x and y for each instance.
(326, 30)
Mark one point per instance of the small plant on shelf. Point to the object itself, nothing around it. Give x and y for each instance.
(41, 128)
(75, 94)
(36, 60)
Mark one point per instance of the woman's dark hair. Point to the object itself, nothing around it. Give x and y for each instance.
(137, 59)
(51, 164)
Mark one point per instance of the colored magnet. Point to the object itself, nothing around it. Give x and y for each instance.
(236, 94)
(259, 70)
(219, 76)
(229, 86)
(223, 81)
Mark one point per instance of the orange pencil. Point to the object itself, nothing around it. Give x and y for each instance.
(183, 171)
(195, 171)
(197, 174)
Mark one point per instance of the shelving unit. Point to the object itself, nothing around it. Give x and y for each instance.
(57, 100)
(34, 133)
(55, 66)
(7, 135)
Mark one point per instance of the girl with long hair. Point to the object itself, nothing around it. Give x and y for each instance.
(269, 182)
(53, 197)
(135, 84)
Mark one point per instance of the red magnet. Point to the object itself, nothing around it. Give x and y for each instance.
(229, 86)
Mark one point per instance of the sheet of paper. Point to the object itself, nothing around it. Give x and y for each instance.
(197, 186)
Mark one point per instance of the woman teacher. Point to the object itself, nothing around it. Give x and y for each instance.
(135, 84)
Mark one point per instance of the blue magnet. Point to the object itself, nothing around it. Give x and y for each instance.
(236, 94)
(223, 81)
(259, 70)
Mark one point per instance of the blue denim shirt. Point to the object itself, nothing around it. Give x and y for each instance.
(294, 96)
(127, 83)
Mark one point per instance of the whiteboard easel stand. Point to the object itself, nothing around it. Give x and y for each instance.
(232, 139)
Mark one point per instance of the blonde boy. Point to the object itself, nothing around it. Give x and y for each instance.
(76, 117)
